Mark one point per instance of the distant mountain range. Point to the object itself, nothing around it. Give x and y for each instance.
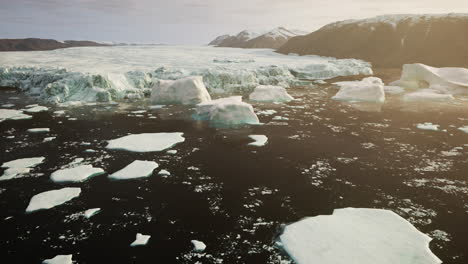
(31, 44)
(249, 39)
(391, 40)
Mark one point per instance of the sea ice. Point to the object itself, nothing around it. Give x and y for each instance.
(76, 174)
(140, 240)
(428, 126)
(136, 169)
(260, 140)
(49, 199)
(10, 114)
(464, 129)
(146, 142)
(23, 163)
(91, 212)
(36, 109)
(270, 93)
(164, 173)
(389, 89)
(59, 259)
(370, 89)
(198, 246)
(11, 173)
(187, 91)
(39, 130)
(427, 95)
(227, 111)
(357, 235)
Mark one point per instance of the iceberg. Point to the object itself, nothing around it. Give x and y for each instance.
(427, 95)
(186, 91)
(39, 130)
(91, 212)
(64, 75)
(358, 235)
(141, 240)
(370, 89)
(146, 142)
(79, 173)
(260, 140)
(227, 111)
(136, 169)
(49, 199)
(59, 259)
(198, 246)
(270, 93)
(445, 80)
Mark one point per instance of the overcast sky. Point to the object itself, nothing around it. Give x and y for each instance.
(189, 21)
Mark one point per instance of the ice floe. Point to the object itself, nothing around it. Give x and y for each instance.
(270, 93)
(19, 167)
(464, 129)
(36, 109)
(136, 169)
(146, 142)
(59, 259)
(370, 89)
(76, 174)
(91, 212)
(198, 246)
(358, 235)
(187, 91)
(164, 173)
(227, 111)
(260, 140)
(428, 126)
(49, 199)
(10, 114)
(140, 240)
(39, 130)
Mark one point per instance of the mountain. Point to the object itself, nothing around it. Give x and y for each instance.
(391, 40)
(30, 44)
(254, 40)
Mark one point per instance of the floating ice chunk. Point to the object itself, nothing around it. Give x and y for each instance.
(140, 240)
(136, 169)
(91, 212)
(76, 174)
(59, 112)
(187, 91)
(280, 118)
(464, 129)
(49, 199)
(11, 173)
(198, 246)
(393, 89)
(260, 140)
(427, 95)
(270, 93)
(227, 111)
(47, 139)
(171, 151)
(446, 80)
(59, 259)
(157, 106)
(36, 109)
(164, 173)
(8, 105)
(23, 163)
(146, 142)
(10, 114)
(370, 89)
(267, 112)
(428, 126)
(39, 130)
(358, 235)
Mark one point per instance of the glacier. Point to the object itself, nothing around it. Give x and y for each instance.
(90, 74)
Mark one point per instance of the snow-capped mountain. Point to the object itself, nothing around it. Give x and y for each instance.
(250, 39)
(391, 40)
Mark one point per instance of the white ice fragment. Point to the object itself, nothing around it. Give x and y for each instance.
(260, 140)
(75, 174)
(91, 212)
(427, 95)
(136, 169)
(171, 151)
(270, 93)
(156, 106)
(188, 91)
(428, 126)
(11, 173)
(39, 130)
(8, 105)
(36, 109)
(164, 173)
(47, 139)
(49, 199)
(227, 111)
(267, 112)
(23, 163)
(389, 89)
(59, 259)
(370, 89)
(146, 142)
(198, 246)
(59, 112)
(140, 240)
(10, 114)
(464, 129)
(359, 235)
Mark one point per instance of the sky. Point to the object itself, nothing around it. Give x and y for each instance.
(190, 21)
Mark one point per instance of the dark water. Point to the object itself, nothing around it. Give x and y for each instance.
(234, 197)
